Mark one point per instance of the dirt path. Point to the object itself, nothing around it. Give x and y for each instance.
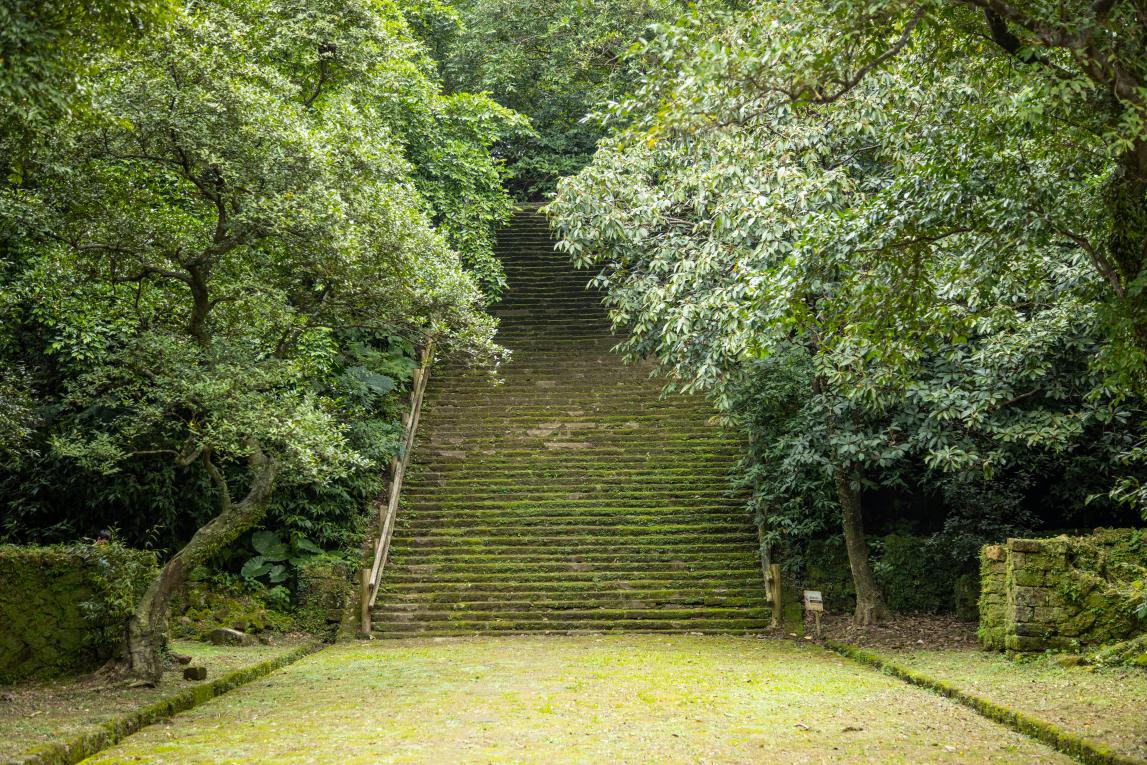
(611, 699)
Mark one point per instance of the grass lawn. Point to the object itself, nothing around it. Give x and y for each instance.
(1106, 705)
(609, 699)
(38, 712)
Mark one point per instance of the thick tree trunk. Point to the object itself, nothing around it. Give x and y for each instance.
(1127, 245)
(141, 656)
(870, 606)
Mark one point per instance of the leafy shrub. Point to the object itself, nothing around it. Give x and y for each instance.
(914, 574)
(225, 600)
(275, 557)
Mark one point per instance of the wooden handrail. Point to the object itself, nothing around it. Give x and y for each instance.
(387, 512)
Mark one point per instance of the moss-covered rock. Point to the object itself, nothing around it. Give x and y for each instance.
(214, 604)
(1129, 653)
(62, 608)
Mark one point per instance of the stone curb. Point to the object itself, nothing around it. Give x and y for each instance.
(99, 737)
(1080, 748)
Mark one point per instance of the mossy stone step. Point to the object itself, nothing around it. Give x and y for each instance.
(572, 627)
(562, 506)
(410, 539)
(427, 616)
(494, 566)
(566, 493)
(686, 578)
(585, 588)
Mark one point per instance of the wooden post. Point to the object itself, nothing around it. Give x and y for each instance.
(775, 594)
(364, 604)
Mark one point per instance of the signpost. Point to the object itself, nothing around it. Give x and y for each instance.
(813, 604)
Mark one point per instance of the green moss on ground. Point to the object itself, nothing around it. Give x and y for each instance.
(1104, 706)
(578, 700)
(33, 714)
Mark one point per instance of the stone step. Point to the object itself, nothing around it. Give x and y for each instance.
(685, 578)
(390, 615)
(564, 492)
(702, 625)
(529, 600)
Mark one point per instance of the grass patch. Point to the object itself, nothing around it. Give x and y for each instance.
(49, 717)
(593, 699)
(1100, 710)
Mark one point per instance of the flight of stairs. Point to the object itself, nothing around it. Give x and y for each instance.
(571, 497)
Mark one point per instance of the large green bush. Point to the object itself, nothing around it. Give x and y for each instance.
(62, 608)
(915, 576)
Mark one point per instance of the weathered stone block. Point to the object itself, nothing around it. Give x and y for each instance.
(1025, 545)
(1025, 643)
(1029, 629)
(224, 636)
(1048, 614)
(1028, 577)
(195, 673)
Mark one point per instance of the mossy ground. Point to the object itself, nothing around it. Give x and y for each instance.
(600, 699)
(1106, 705)
(35, 713)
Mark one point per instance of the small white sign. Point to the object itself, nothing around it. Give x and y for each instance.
(813, 600)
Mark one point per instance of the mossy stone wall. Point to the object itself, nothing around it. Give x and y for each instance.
(324, 591)
(1061, 593)
(993, 595)
(62, 609)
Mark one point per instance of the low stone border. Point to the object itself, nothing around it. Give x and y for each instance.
(109, 733)
(1078, 747)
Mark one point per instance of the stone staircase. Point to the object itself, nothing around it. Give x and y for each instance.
(571, 497)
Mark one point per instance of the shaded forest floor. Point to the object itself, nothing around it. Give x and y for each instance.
(590, 699)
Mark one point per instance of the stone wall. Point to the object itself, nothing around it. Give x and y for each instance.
(62, 609)
(324, 592)
(1061, 593)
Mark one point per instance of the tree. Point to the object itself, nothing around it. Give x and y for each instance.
(746, 223)
(553, 61)
(243, 200)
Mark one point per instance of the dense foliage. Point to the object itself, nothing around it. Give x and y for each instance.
(880, 239)
(218, 272)
(554, 61)
(900, 243)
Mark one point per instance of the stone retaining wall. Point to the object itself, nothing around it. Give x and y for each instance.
(62, 609)
(1061, 593)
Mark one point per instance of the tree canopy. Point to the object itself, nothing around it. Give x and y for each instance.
(901, 244)
(259, 200)
(895, 227)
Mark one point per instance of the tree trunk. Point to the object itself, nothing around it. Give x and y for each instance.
(141, 655)
(870, 606)
(1127, 245)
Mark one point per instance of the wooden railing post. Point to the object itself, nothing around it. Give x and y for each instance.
(364, 603)
(775, 595)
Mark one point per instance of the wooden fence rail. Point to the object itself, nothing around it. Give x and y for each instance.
(387, 512)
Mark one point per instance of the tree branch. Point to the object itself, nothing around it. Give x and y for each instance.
(858, 77)
(327, 52)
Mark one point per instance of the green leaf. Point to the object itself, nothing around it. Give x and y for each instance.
(269, 545)
(255, 568)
